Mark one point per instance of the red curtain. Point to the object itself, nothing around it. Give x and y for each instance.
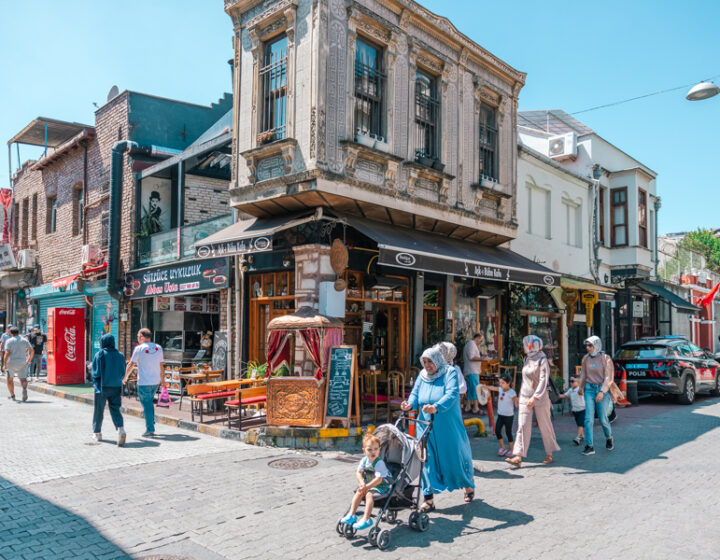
(278, 352)
(333, 337)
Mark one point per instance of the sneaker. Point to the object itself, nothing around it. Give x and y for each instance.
(350, 519)
(589, 450)
(97, 436)
(509, 453)
(363, 524)
(24, 397)
(609, 445)
(121, 437)
(577, 440)
(612, 417)
(11, 397)
(148, 434)
(502, 451)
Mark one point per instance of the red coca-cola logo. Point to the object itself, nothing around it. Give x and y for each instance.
(70, 338)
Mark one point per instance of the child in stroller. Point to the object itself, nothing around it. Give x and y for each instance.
(394, 460)
(373, 476)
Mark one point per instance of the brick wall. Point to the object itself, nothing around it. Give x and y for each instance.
(205, 198)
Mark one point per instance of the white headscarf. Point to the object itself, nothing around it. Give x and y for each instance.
(448, 350)
(597, 345)
(533, 347)
(436, 357)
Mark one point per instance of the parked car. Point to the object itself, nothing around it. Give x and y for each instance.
(668, 365)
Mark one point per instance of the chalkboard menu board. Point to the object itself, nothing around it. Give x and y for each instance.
(340, 382)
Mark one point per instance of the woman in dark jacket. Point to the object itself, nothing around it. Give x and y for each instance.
(108, 370)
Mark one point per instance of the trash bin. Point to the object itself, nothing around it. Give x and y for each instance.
(632, 392)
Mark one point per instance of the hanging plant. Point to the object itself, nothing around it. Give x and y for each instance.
(515, 325)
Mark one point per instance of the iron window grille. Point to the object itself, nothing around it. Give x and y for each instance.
(488, 143)
(369, 91)
(273, 87)
(426, 117)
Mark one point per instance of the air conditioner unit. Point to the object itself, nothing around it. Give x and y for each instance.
(26, 259)
(91, 256)
(563, 146)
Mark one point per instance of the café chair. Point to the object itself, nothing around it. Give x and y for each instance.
(396, 391)
(369, 392)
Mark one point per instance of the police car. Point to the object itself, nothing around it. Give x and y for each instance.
(668, 365)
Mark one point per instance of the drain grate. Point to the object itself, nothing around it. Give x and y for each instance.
(293, 463)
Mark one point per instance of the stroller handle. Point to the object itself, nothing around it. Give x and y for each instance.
(404, 417)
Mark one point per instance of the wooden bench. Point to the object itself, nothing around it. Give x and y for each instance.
(245, 397)
(200, 393)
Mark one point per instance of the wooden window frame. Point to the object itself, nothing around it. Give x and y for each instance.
(613, 225)
(642, 218)
(25, 221)
(256, 302)
(33, 227)
(51, 215)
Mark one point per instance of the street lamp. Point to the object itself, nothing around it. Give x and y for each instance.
(703, 90)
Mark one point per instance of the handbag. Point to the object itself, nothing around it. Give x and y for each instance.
(615, 392)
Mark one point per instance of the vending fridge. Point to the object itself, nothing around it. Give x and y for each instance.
(65, 346)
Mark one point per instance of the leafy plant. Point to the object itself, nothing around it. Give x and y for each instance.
(255, 369)
(704, 241)
(513, 346)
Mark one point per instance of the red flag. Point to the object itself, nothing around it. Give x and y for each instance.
(709, 297)
(6, 196)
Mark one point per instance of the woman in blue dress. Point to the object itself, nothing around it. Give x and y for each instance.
(449, 460)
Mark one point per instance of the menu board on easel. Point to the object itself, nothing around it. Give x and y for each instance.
(340, 382)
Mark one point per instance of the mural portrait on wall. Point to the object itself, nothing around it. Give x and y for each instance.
(155, 198)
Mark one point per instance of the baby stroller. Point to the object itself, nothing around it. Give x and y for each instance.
(404, 456)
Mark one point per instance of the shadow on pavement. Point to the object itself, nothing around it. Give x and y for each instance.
(639, 436)
(30, 525)
(497, 474)
(141, 443)
(175, 437)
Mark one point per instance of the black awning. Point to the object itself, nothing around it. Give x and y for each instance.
(415, 250)
(671, 297)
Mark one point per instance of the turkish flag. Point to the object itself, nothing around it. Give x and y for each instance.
(709, 297)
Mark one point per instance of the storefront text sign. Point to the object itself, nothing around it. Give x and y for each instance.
(468, 269)
(240, 247)
(186, 278)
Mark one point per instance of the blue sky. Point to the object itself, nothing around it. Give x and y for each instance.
(60, 57)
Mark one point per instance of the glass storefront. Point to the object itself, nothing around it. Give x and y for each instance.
(476, 309)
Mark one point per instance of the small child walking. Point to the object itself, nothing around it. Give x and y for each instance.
(373, 477)
(577, 404)
(507, 403)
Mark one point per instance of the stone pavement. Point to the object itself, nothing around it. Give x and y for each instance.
(190, 495)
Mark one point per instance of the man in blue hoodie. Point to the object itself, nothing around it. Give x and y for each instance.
(108, 370)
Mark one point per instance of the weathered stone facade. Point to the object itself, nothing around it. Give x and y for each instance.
(322, 161)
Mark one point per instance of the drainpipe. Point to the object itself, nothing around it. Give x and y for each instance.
(658, 204)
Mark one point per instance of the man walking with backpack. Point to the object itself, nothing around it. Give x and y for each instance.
(108, 370)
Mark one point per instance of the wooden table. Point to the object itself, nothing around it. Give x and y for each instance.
(233, 383)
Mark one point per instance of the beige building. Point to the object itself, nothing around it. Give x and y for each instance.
(378, 124)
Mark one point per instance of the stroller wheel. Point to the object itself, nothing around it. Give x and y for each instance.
(340, 528)
(383, 539)
(423, 522)
(412, 520)
(373, 534)
(349, 530)
(391, 516)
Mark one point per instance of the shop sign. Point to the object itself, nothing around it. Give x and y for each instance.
(259, 244)
(467, 269)
(7, 257)
(187, 278)
(638, 309)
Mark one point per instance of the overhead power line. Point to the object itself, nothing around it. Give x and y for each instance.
(643, 96)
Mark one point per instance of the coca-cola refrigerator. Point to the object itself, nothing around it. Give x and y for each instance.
(65, 346)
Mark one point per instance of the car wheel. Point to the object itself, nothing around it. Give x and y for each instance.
(716, 391)
(688, 392)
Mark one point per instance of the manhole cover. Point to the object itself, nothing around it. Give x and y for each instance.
(293, 463)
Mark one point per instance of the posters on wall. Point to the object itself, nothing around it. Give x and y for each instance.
(155, 205)
(220, 350)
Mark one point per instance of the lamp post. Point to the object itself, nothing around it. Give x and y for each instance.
(701, 91)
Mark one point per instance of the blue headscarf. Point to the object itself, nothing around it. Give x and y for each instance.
(436, 357)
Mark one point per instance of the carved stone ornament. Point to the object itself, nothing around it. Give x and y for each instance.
(284, 148)
(444, 191)
(391, 172)
(351, 154)
(295, 401)
(412, 180)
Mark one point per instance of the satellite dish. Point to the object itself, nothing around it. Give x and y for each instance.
(113, 93)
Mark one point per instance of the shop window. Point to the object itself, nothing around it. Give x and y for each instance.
(376, 320)
(369, 90)
(433, 328)
(475, 313)
(272, 295)
(273, 84)
(427, 107)
(619, 217)
(536, 298)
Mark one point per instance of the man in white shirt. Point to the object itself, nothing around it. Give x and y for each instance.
(17, 356)
(472, 360)
(3, 339)
(149, 360)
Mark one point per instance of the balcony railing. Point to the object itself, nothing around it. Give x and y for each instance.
(177, 243)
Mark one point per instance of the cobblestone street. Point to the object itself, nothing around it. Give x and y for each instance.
(189, 495)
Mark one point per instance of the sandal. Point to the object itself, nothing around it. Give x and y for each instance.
(548, 459)
(514, 461)
(427, 507)
(469, 496)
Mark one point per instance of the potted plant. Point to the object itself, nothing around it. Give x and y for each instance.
(487, 182)
(364, 138)
(422, 159)
(266, 137)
